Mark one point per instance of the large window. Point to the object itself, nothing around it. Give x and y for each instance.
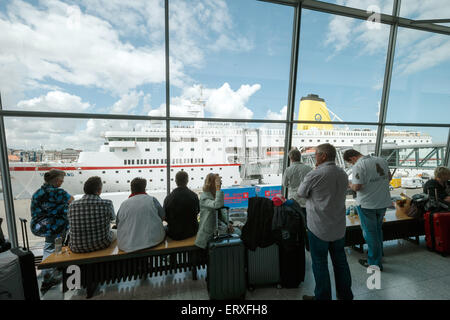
(342, 61)
(83, 56)
(414, 151)
(82, 149)
(420, 87)
(100, 68)
(234, 57)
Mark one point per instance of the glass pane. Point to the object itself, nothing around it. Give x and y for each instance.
(420, 87)
(341, 68)
(362, 138)
(248, 157)
(229, 59)
(379, 6)
(424, 10)
(83, 56)
(413, 153)
(115, 150)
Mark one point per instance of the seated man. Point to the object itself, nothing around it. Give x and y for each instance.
(181, 208)
(90, 219)
(139, 220)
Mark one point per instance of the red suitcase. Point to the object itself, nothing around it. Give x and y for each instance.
(437, 231)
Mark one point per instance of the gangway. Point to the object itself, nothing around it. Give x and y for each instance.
(422, 156)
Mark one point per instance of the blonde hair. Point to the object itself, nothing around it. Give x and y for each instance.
(442, 173)
(210, 183)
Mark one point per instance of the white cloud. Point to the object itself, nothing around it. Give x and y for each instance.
(281, 115)
(111, 45)
(55, 101)
(222, 102)
(127, 102)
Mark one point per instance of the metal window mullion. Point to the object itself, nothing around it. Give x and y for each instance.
(65, 115)
(167, 61)
(387, 79)
(447, 151)
(8, 199)
(292, 87)
(361, 14)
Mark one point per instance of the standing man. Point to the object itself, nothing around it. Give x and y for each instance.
(325, 191)
(370, 180)
(181, 208)
(294, 175)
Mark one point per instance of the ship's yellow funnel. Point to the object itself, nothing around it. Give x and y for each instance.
(313, 108)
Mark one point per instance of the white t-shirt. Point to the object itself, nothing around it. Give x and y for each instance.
(373, 174)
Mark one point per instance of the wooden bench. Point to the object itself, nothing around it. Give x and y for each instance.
(111, 264)
(394, 226)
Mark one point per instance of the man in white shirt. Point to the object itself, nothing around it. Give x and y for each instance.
(139, 220)
(370, 180)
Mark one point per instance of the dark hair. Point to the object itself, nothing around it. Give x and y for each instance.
(93, 185)
(181, 178)
(138, 185)
(295, 155)
(51, 176)
(350, 153)
(327, 149)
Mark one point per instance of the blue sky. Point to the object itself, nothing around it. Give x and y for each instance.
(107, 56)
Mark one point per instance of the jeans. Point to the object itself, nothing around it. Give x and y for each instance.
(371, 225)
(319, 255)
(49, 248)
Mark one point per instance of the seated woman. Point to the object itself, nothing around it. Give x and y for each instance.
(211, 199)
(49, 206)
(439, 185)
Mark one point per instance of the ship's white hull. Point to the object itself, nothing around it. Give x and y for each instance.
(26, 180)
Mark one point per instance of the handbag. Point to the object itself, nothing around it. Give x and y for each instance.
(418, 203)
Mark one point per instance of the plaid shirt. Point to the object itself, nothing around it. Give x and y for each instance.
(90, 218)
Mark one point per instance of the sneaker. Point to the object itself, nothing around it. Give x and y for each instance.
(364, 263)
(309, 298)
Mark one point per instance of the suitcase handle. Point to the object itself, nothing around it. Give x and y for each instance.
(23, 225)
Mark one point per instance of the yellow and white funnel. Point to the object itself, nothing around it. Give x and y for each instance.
(313, 108)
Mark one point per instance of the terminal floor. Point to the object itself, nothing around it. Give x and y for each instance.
(410, 272)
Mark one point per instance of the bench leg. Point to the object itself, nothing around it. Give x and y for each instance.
(91, 288)
(64, 281)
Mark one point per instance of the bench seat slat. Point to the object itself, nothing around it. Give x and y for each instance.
(67, 257)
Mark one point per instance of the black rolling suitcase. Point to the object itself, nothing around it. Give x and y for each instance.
(18, 279)
(291, 241)
(292, 261)
(226, 266)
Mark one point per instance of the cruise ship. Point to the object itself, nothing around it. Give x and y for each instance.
(239, 154)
